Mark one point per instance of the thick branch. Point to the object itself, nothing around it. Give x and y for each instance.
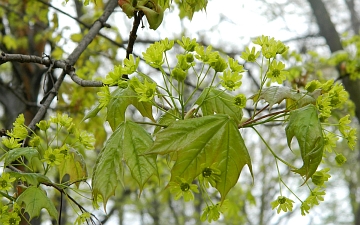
(48, 62)
(72, 59)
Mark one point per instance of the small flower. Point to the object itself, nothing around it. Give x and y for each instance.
(10, 219)
(313, 85)
(53, 157)
(182, 62)
(263, 40)
(283, 204)
(104, 96)
(43, 125)
(187, 44)
(240, 100)
(276, 72)
(65, 120)
(305, 207)
(250, 56)
(316, 195)
(319, 177)
(330, 140)
(114, 76)
(178, 74)
(219, 65)
(11, 143)
(340, 159)
(351, 137)
(87, 139)
(154, 55)
(231, 80)
(210, 175)
(35, 141)
(146, 91)
(167, 44)
(338, 95)
(64, 150)
(323, 106)
(6, 182)
(206, 56)
(181, 187)
(344, 125)
(235, 66)
(211, 213)
(130, 65)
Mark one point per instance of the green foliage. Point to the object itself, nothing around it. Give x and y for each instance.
(198, 135)
(34, 199)
(304, 124)
(126, 145)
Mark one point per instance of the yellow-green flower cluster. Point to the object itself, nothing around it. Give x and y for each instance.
(10, 218)
(115, 77)
(231, 78)
(154, 54)
(270, 47)
(282, 204)
(6, 182)
(104, 96)
(250, 56)
(240, 100)
(146, 91)
(276, 72)
(349, 133)
(53, 157)
(181, 187)
(17, 134)
(210, 175)
(320, 177)
(333, 96)
(316, 195)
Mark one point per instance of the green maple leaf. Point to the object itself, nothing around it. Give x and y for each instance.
(31, 178)
(74, 165)
(126, 145)
(120, 100)
(217, 101)
(35, 199)
(28, 152)
(276, 94)
(206, 140)
(306, 127)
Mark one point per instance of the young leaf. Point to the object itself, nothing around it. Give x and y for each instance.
(34, 200)
(74, 165)
(206, 140)
(276, 94)
(306, 127)
(125, 145)
(170, 116)
(28, 152)
(33, 179)
(120, 100)
(92, 113)
(217, 101)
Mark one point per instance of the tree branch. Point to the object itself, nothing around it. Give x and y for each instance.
(48, 62)
(73, 57)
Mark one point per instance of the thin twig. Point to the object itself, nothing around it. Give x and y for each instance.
(132, 37)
